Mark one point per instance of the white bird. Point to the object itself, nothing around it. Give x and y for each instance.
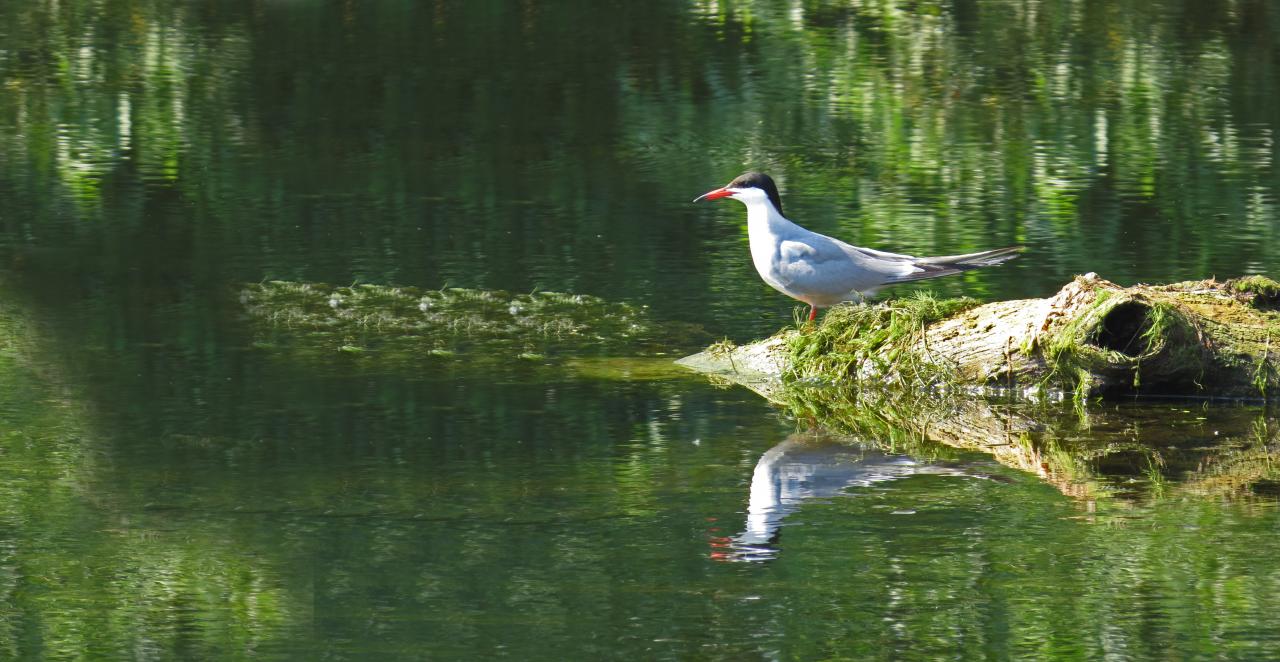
(820, 270)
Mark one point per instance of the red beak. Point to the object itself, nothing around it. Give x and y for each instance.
(714, 195)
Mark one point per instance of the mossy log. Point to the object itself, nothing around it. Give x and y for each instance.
(1196, 338)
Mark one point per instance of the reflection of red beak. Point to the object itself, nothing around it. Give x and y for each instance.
(714, 195)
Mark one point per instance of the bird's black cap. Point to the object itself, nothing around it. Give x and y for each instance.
(761, 181)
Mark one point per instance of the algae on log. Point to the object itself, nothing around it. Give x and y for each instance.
(1202, 338)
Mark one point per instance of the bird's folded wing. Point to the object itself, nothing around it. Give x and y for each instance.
(797, 251)
(832, 266)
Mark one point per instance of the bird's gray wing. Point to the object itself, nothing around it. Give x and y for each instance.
(820, 264)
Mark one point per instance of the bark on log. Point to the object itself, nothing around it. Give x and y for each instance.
(1197, 338)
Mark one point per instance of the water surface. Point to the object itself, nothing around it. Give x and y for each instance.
(178, 484)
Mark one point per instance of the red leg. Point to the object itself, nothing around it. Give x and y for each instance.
(813, 313)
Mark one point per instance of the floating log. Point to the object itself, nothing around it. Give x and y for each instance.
(1093, 338)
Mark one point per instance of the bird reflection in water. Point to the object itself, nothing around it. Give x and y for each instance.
(806, 466)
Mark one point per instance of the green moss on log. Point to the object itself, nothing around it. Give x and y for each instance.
(1118, 339)
(873, 341)
(1260, 290)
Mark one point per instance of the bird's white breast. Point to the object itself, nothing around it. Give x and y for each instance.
(763, 233)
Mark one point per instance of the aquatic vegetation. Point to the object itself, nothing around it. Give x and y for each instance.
(624, 369)
(402, 323)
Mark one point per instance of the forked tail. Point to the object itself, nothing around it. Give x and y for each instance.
(945, 265)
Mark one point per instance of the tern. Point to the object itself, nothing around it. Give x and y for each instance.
(823, 271)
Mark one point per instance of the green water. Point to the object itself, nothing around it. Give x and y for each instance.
(179, 482)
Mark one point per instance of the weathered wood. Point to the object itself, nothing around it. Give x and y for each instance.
(1201, 338)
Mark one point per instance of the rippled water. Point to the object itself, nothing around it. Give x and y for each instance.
(181, 479)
